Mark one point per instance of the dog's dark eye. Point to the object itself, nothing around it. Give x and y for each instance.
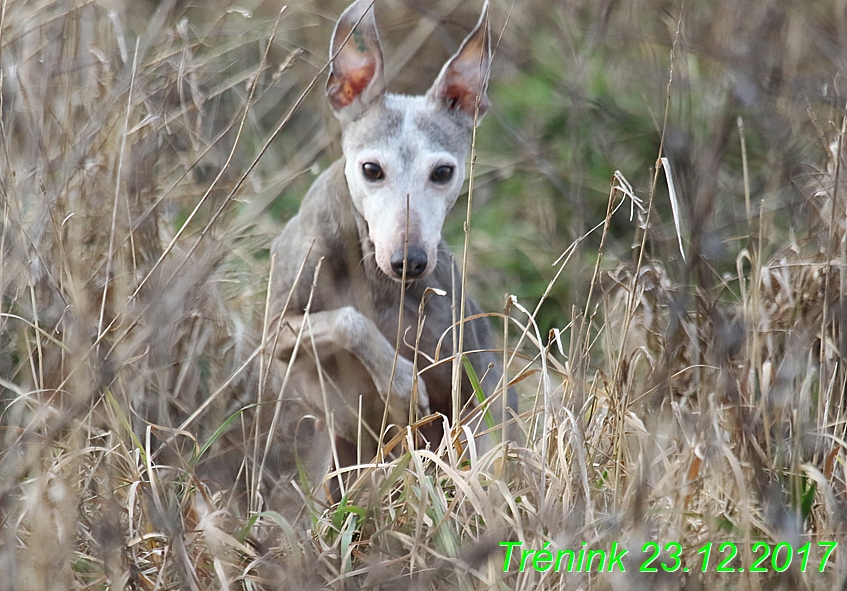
(372, 171)
(442, 174)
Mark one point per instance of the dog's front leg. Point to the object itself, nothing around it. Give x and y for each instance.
(349, 330)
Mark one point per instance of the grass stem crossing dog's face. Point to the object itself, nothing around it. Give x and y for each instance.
(404, 155)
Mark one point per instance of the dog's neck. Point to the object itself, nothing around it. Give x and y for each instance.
(350, 230)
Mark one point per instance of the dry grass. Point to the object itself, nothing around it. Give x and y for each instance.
(134, 455)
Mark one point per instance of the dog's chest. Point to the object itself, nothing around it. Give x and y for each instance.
(355, 281)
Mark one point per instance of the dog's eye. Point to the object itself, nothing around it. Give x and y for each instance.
(372, 171)
(442, 174)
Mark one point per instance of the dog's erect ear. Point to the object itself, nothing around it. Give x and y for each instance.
(464, 78)
(356, 74)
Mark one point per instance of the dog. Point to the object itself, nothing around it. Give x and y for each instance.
(371, 222)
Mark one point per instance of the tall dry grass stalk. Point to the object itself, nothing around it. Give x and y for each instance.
(134, 455)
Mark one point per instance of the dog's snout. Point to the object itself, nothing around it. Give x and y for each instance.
(416, 257)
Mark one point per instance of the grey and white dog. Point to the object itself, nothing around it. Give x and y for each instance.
(371, 220)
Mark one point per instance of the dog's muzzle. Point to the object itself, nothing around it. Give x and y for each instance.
(416, 260)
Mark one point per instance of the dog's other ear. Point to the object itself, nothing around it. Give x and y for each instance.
(464, 78)
(356, 74)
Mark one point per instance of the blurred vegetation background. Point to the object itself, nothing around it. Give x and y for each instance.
(580, 90)
(140, 196)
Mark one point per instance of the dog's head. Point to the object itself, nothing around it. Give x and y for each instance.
(405, 156)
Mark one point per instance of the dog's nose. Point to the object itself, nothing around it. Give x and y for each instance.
(416, 257)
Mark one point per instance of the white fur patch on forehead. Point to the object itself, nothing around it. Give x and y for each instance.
(416, 119)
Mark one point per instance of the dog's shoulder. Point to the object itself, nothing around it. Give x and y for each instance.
(318, 231)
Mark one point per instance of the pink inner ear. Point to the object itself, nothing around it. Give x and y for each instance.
(460, 86)
(345, 87)
(459, 97)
